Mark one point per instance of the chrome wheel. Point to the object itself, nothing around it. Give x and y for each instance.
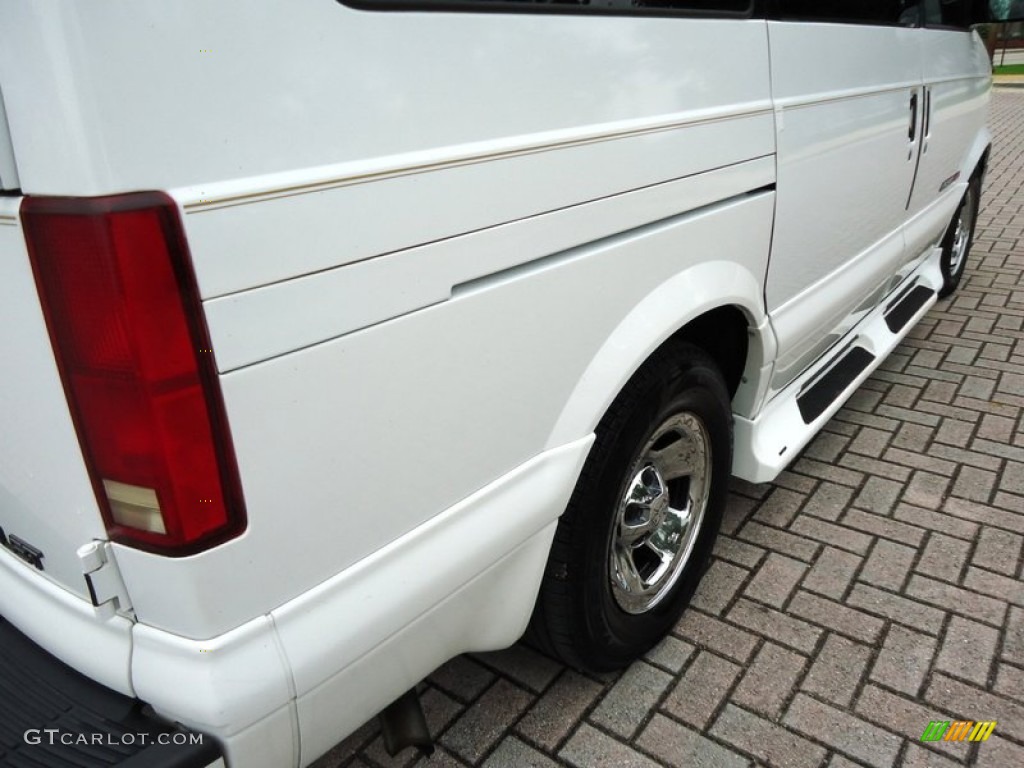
(660, 513)
(962, 233)
(637, 533)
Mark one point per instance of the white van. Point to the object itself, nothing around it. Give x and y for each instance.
(341, 338)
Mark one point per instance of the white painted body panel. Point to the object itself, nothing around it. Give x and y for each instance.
(286, 87)
(309, 225)
(426, 276)
(46, 498)
(858, 197)
(956, 70)
(846, 166)
(8, 168)
(384, 425)
(288, 677)
(260, 324)
(38, 607)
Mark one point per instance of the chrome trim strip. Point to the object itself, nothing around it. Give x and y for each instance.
(417, 162)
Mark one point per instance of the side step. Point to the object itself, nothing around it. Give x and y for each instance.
(766, 444)
(816, 399)
(905, 306)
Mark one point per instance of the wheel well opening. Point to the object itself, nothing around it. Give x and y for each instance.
(982, 167)
(722, 333)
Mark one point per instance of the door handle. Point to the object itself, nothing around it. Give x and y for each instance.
(912, 133)
(926, 129)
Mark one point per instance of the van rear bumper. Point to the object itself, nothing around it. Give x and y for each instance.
(55, 716)
(376, 628)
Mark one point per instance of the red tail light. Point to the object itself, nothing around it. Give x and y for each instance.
(124, 316)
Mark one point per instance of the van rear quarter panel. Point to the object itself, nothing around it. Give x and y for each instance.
(46, 498)
(348, 444)
(308, 145)
(142, 94)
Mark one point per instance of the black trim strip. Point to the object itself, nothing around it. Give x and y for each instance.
(816, 400)
(775, 12)
(900, 295)
(92, 590)
(899, 315)
(656, 8)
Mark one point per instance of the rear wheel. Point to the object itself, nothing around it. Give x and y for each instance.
(637, 534)
(956, 244)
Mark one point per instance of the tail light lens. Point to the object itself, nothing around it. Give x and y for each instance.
(124, 316)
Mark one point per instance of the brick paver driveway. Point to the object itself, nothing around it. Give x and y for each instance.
(874, 587)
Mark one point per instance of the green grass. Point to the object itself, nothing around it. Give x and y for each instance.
(1010, 69)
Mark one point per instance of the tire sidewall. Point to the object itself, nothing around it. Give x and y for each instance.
(690, 385)
(951, 280)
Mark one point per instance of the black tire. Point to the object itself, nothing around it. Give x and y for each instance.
(956, 243)
(675, 404)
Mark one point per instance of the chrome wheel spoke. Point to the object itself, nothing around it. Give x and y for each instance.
(626, 571)
(680, 458)
(660, 513)
(630, 533)
(645, 503)
(680, 518)
(665, 555)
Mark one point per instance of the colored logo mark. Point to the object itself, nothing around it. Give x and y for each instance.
(958, 730)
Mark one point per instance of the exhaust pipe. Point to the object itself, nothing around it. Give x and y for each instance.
(403, 724)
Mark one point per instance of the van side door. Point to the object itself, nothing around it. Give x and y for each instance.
(846, 85)
(956, 79)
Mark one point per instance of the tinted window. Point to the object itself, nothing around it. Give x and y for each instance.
(660, 7)
(946, 13)
(887, 12)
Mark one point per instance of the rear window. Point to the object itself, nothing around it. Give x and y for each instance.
(710, 8)
(881, 12)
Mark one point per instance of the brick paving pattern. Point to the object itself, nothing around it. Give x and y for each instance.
(875, 586)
